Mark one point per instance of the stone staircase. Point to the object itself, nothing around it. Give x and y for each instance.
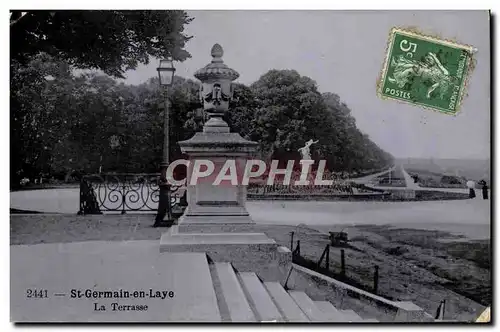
(244, 297)
(246, 269)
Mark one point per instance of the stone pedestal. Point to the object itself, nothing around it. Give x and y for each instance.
(216, 220)
(210, 203)
(246, 251)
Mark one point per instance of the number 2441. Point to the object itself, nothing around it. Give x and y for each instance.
(36, 293)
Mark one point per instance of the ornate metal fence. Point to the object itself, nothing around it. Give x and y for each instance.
(122, 192)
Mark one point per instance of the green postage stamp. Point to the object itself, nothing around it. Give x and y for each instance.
(425, 71)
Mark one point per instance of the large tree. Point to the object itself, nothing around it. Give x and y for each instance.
(67, 123)
(87, 122)
(145, 115)
(289, 110)
(242, 111)
(110, 40)
(47, 101)
(36, 119)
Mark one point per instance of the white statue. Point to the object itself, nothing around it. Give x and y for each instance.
(305, 151)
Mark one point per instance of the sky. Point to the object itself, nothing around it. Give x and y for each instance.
(343, 51)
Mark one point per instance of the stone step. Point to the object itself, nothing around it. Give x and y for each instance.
(221, 302)
(216, 245)
(370, 320)
(307, 306)
(234, 297)
(332, 314)
(351, 315)
(287, 306)
(215, 238)
(260, 300)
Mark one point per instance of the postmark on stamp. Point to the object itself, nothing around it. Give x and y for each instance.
(425, 71)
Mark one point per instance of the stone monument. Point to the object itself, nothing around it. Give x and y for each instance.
(209, 203)
(216, 220)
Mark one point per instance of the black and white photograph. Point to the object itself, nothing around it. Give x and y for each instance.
(250, 166)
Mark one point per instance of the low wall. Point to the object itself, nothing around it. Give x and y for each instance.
(424, 195)
(431, 195)
(320, 197)
(343, 296)
(387, 195)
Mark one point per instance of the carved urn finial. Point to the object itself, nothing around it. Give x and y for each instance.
(217, 69)
(217, 53)
(216, 91)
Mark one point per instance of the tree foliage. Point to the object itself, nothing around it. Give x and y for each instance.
(59, 121)
(64, 123)
(286, 109)
(110, 40)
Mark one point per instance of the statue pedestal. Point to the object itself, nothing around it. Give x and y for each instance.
(222, 203)
(216, 220)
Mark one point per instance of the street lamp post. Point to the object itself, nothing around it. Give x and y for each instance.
(166, 72)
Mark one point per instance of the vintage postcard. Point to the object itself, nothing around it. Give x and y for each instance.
(196, 166)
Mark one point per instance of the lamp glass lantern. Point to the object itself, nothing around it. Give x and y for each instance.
(166, 72)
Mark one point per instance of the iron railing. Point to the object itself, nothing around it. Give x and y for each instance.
(123, 192)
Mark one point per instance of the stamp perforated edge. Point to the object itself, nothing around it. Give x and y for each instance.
(414, 32)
